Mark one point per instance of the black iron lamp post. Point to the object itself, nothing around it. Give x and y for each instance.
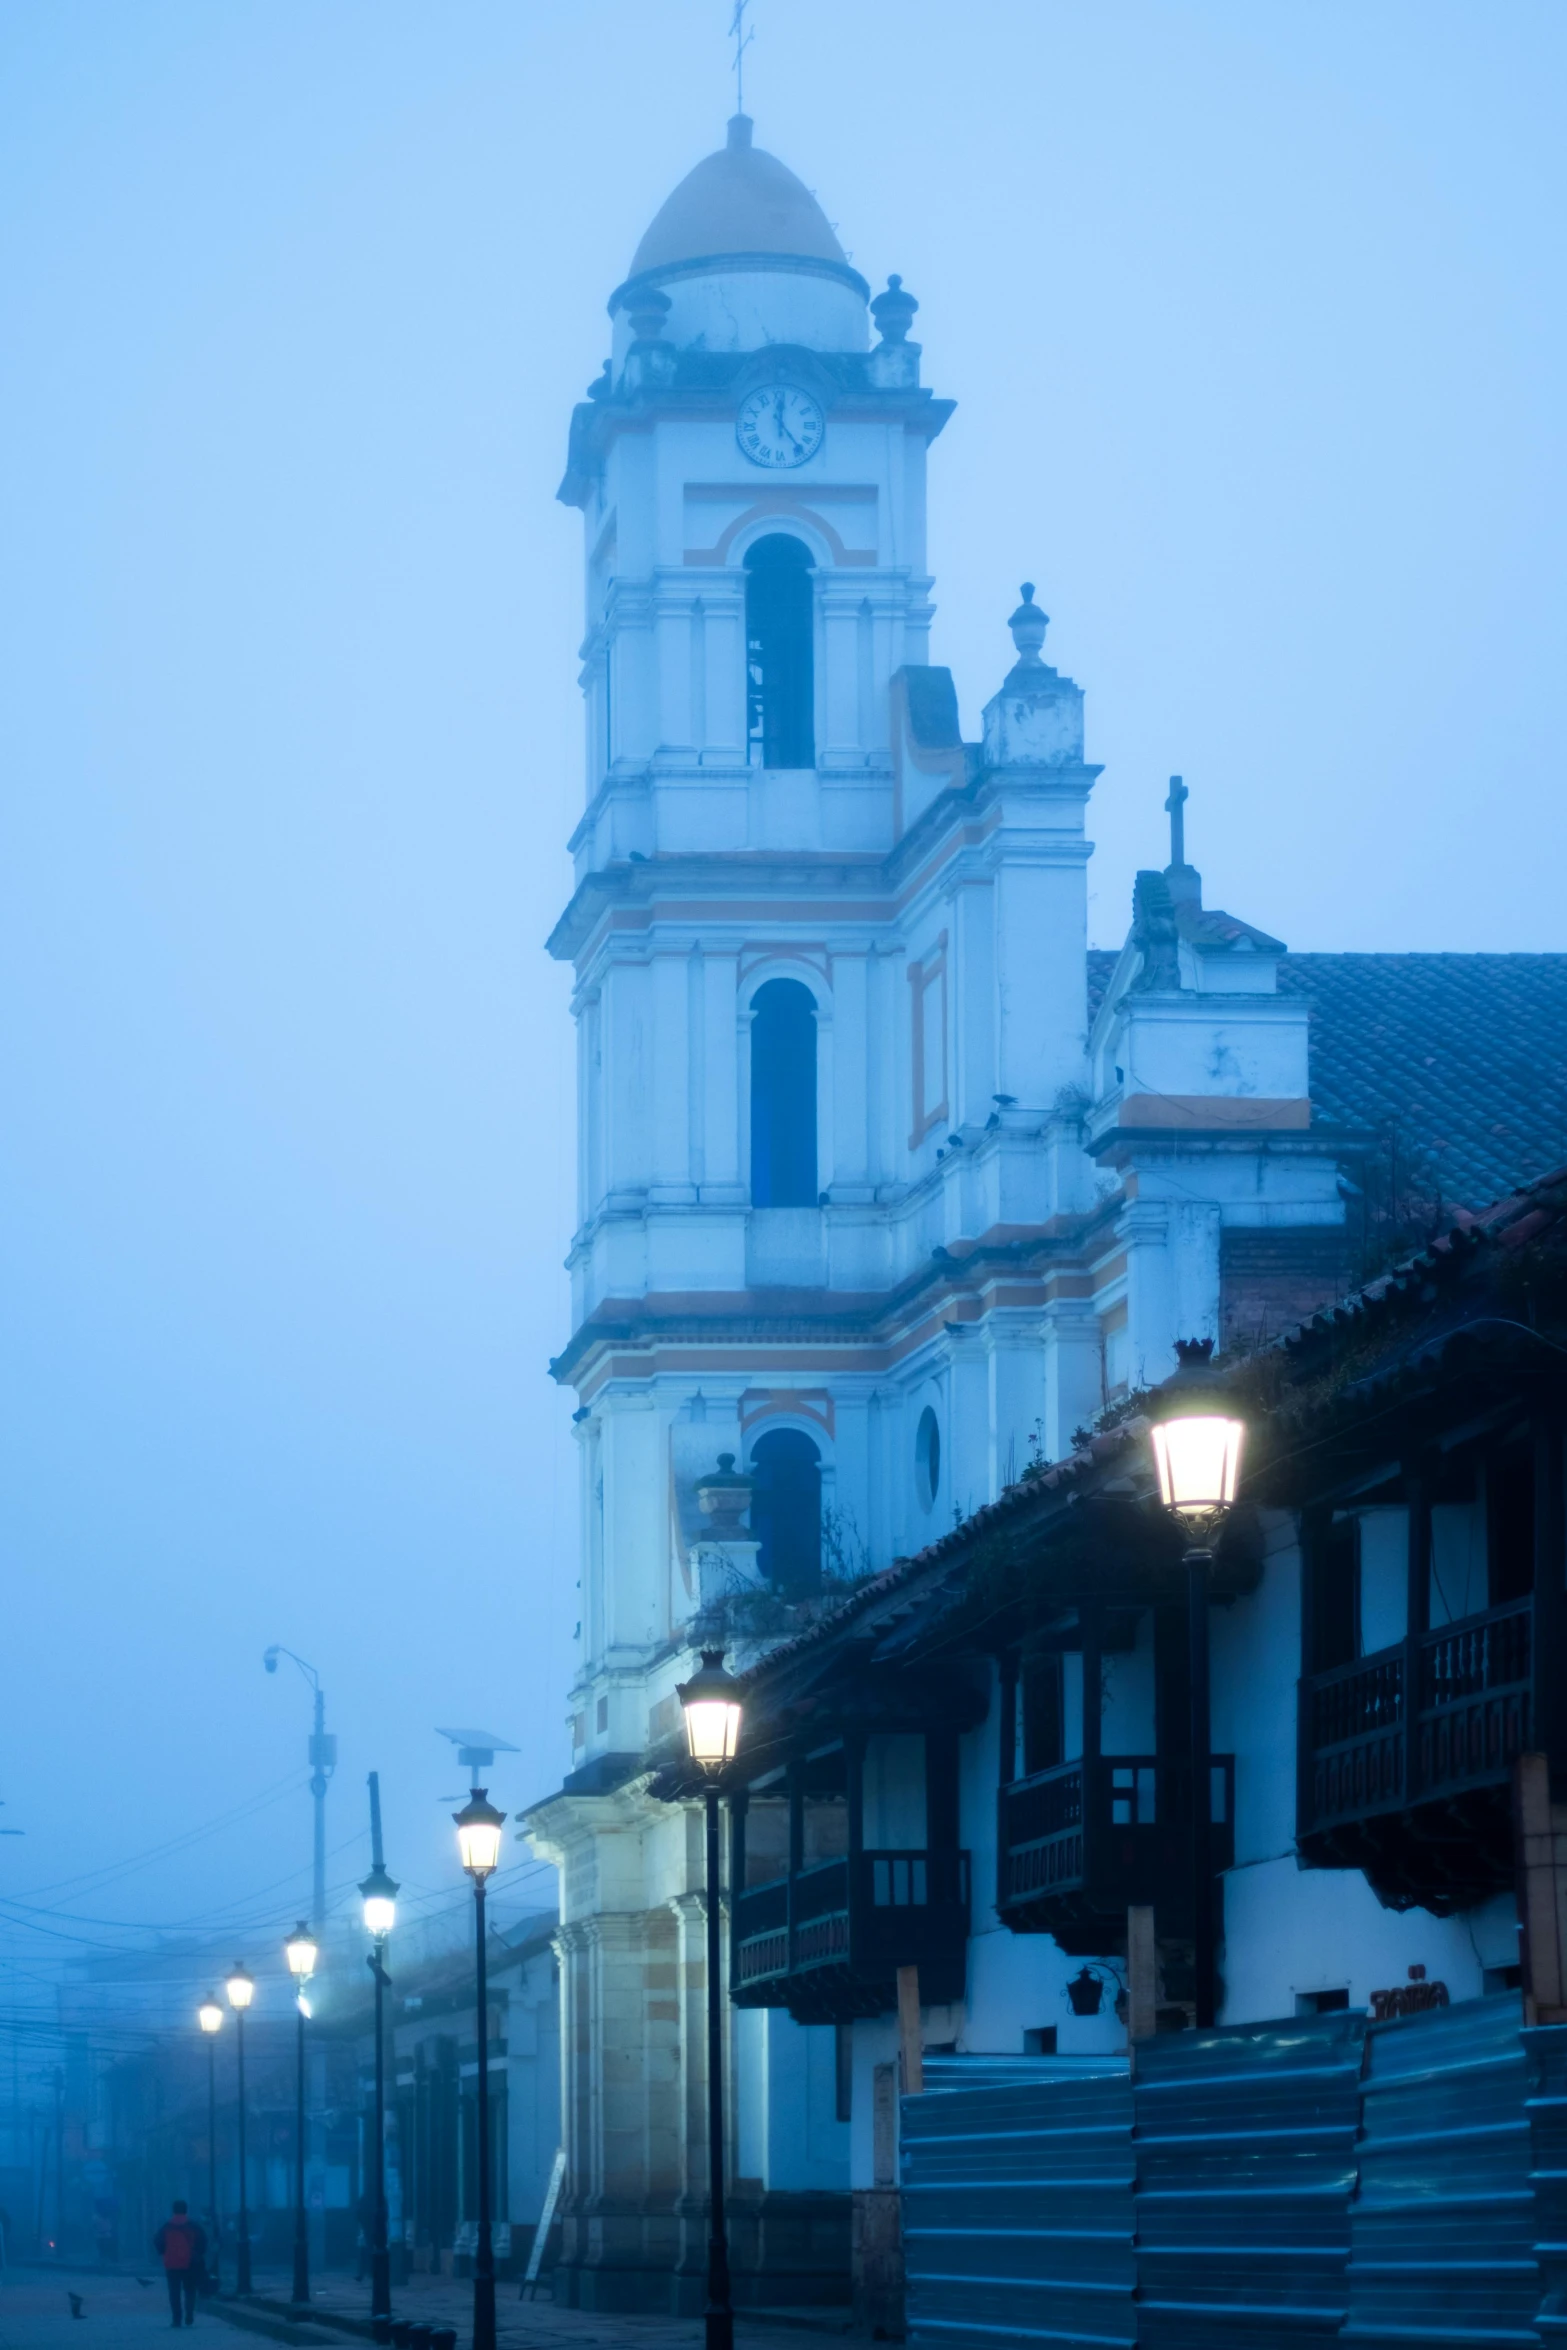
(241, 1991)
(379, 1895)
(710, 1701)
(479, 1827)
(210, 2017)
(300, 1951)
(1197, 1445)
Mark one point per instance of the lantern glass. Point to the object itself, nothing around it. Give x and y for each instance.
(479, 1827)
(241, 1988)
(210, 2016)
(710, 1701)
(301, 1953)
(379, 1895)
(1198, 1459)
(713, 1732)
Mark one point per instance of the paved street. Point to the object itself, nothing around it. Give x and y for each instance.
(117, 2314)
(120, 2314)
(448, 2301)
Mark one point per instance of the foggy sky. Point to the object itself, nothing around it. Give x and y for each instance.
(1254, 316)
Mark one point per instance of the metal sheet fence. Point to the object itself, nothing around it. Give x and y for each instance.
(1017, 2207)
(1245, 2166)
(1401, 2183)
(1442, 2227)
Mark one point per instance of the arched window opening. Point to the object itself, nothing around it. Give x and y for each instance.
(783, 1096)
(780, 693)
(786, 1511)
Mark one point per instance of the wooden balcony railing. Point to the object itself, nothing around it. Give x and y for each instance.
(1083, 1841)
(830, 1939)
(1473, 1682)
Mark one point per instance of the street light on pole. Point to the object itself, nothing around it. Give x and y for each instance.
(300, 1951)
(479, 1827)
(1197, 1444)
(710, 1701)
(241, 1991)
(210, 2017)
(379, 1895)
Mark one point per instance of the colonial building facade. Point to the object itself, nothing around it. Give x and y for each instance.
(888, 1184)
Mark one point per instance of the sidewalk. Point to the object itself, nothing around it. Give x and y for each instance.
(448, 2301)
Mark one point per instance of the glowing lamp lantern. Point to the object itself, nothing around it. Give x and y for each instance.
(1196, 1446)
(379, 1895)
(301, 1952)
(241, 1987)
(210, 2016)
(710, 1701)
(479, 1827)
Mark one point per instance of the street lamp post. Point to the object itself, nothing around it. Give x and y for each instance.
(379, 1895)
(300, 1951)
(241, 1991)
(210, 2017)
(1197, 1454)
(710, 1701)
(479, 1827)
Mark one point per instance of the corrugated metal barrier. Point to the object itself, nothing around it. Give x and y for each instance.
(1545, 2053)
(1017, 2204)
(1402, 2183)
(1245, 2166)
(1442, 2227)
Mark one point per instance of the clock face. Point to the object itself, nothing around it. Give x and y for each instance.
(779, 425)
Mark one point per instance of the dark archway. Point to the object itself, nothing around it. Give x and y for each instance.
(786, 1511)
(783, 1096)
(779, 664)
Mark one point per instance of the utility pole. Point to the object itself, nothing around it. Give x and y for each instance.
(59, 2164)
(321, 1752)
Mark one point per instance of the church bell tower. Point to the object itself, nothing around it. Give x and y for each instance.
(831, 1008)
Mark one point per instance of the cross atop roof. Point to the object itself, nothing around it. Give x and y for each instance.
(1176, 803)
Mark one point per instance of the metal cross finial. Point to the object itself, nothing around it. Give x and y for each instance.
(742, 39)
(1176, 803)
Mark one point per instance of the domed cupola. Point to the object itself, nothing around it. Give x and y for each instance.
(746, 256)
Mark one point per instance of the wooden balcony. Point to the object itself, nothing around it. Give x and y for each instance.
(1406, 1760)
(1082, 1843)
(827, 1942)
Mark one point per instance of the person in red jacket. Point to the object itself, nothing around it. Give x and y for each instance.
(182, 2247)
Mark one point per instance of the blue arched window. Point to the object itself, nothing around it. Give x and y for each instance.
(780, 692)
(786, 1511)
(783, 1096)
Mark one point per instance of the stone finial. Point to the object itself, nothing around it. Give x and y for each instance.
(894, 311)
(1028, 624)
(724, 1496)
(740, 129)
(1155, 932)
(647, 318)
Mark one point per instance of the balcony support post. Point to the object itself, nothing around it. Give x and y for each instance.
(739, 1805)
(854, 1786)
(1550, 1599)
(796, 1782)
(1315, 1524)
(1417, 1494)
(1006, 1771)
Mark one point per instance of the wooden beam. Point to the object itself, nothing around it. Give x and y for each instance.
(911, 2046)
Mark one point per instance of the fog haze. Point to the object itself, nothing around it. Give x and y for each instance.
(1254, 318)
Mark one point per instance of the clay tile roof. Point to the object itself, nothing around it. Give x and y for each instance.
(1462, 1057)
